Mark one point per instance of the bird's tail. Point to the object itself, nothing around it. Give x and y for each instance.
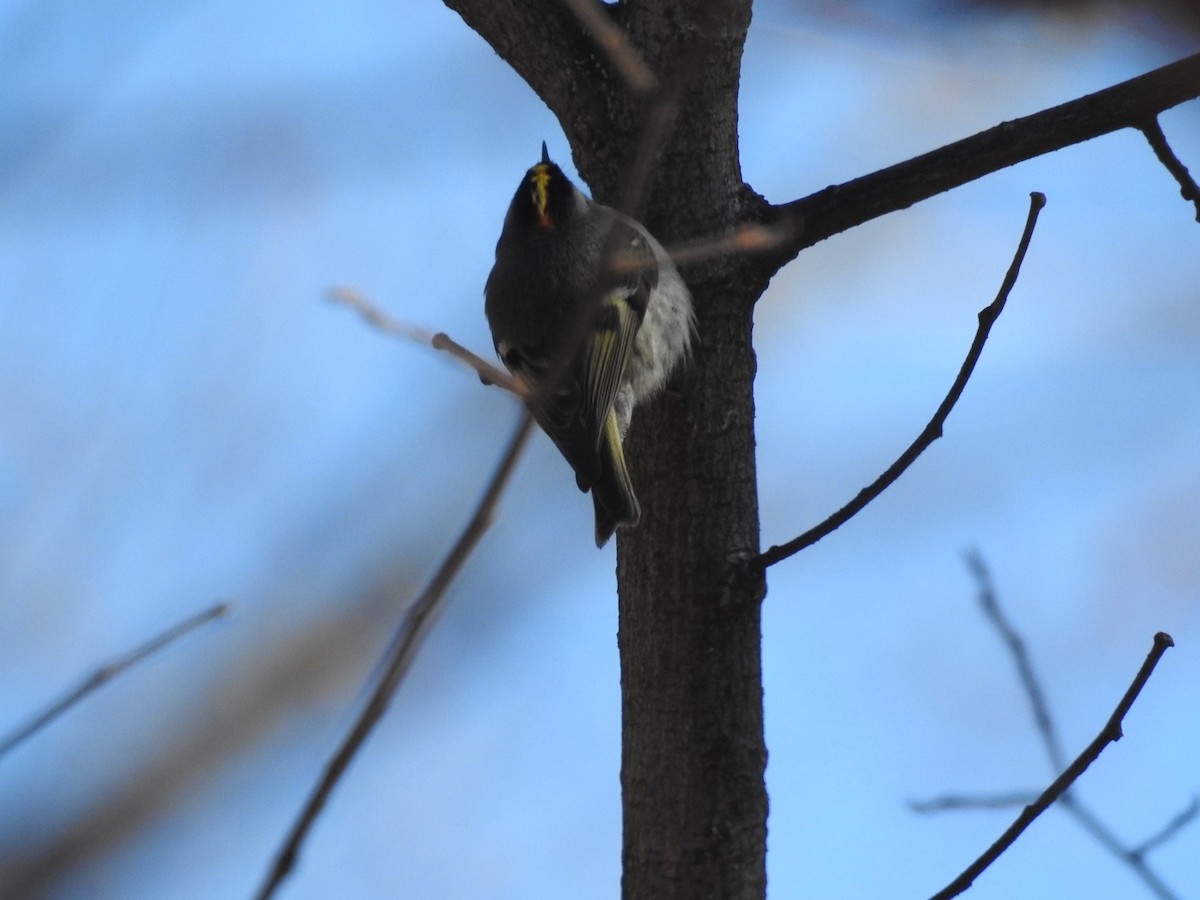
(612, 493)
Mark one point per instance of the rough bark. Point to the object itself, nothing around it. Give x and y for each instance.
(693, 755)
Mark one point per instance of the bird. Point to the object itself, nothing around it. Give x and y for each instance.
(586, 309)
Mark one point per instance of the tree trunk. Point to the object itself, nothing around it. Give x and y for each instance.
(693, 756)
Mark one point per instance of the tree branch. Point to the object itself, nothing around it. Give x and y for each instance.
(440, 341)
(1020, 655)
(397, 659)
(1127, 105)
(541, 40)
(933, 430)
(1178, 821)
(1069, 802)
(107, 672)
(1107, 839)
(948, 802)
(1110, 733)
(1188, 188)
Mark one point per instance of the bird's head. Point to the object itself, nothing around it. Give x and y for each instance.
(547, 198)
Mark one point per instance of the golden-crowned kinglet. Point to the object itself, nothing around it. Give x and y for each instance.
(587, 308)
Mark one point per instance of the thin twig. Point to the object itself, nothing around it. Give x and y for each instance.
(962, 801)
(616, 46)
(657, 125)
(1068, 801)
(109, 671)
(933, 430)
(1179, 820)
(1108, 839)
(440, 341)
(744, 240)
(397, 659)
(1016, 648)
(1188, 188)
(662, 105)
(1110, 733)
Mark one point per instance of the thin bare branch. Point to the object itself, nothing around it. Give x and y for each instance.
(1110, 733)
(1069, 802)
(615, 43)
(1188, 188)
(399, 656)
(950, 802)
(933, 430)
(745, 240)
(1181, 819)
(1020, 654)
(540, 39)
(440, 341)
(1127, 105)
(656, 125)
(108, 672)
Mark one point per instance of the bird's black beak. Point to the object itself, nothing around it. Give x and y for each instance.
(545, 154)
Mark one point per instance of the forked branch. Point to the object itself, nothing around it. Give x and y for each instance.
(1062, 789)
(1110, 733)
(1130, 104)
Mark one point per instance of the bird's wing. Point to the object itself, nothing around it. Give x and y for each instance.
(604, 357)
(559, 407)
(605, 353)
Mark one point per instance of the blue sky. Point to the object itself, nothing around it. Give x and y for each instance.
(187, 419)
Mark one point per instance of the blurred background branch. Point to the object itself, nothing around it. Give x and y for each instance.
(1062, 790)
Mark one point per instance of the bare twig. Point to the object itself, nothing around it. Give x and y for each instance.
(1020, 655)
(487, 373)
(983, 801)
(1188, 188)
(1110, 733)
(933, 430)
(1181, 819)
(745, 240)
(1068, 801)
(397, 659)
(656, 126)
(616, 46)
(109, 671)
(662, 103)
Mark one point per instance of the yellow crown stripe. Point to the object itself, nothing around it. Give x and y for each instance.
(539, 176)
